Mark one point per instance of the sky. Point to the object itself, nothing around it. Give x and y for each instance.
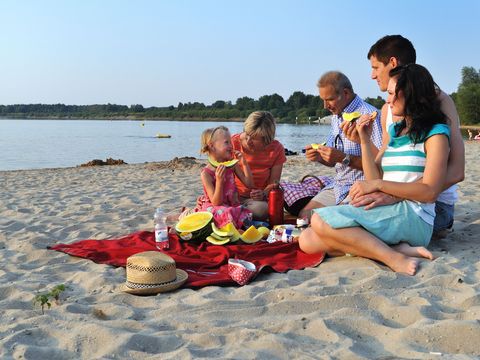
(160, 53)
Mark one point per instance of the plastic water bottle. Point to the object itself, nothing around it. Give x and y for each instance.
(161, 230)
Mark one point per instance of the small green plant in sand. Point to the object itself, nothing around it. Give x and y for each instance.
(46, 298)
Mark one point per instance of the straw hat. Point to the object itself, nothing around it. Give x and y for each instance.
(152, 272)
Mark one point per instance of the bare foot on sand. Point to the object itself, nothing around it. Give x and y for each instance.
(414, 251)
(404, 264)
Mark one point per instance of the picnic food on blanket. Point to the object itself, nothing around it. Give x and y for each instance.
(229, 234)
(227, 164)
(221, 232)
(264, 231)
(316, 146)
(355, 115)
(199, 226)
(231, 229)
(217, 240)
(251, 235)
(195, 226)
(219, 236)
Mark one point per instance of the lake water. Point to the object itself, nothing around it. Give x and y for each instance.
(34, 144)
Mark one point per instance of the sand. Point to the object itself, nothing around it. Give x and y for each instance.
(346, 308)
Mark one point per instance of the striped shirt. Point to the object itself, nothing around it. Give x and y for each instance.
(346, 176)
(404, 161)
(450, 195)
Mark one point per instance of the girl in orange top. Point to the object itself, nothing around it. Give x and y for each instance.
(265, 157)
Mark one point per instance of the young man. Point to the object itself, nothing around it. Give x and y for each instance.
(386, 54)
(338, 96)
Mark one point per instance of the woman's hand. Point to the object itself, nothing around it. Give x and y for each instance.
(363, 127)
(257, 194)
(349, 129)
(364, 187)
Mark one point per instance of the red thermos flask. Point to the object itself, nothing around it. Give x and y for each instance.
(275, 205)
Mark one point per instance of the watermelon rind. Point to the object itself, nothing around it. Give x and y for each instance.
(195, 226)
(227, 164)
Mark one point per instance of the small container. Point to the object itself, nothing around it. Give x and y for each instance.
(161, 230)
(241, 271)
(302, 223)
(275, 205)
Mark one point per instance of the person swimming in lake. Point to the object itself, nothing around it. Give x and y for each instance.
(220, 195)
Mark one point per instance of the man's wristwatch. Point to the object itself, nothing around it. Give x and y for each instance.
(346, 160)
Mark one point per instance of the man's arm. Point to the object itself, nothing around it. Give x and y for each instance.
(456, 160)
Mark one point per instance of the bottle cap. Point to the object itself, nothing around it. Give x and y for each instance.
(302, 222)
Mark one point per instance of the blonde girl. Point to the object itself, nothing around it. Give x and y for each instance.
(220, 192)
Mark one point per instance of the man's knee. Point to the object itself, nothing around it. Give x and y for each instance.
(443, 216)
(306, 212)
(259, 209)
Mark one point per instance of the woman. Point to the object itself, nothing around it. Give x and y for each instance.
(412, 167)
(265, 157)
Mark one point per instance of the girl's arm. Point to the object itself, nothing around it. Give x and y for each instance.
(244, 175)
(428, 188)
(214, 190)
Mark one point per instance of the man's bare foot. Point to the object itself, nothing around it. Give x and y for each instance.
(404, 264)
(414, 251)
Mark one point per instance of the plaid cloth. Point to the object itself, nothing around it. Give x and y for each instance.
(346, 176)
(309, 187)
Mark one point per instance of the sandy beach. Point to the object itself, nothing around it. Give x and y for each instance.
(346, 308)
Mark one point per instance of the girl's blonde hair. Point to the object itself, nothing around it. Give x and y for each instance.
(260, 123)
(207, 137)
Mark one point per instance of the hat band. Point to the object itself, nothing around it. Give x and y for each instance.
(133, 285)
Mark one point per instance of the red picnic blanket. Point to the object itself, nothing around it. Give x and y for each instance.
(206, 264)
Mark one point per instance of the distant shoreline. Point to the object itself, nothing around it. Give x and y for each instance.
(465, 127)
(116, 118)
(129, 118)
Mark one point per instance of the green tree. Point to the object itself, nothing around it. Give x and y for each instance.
(245, 103)
(275, 102)
(137, 108)
(470, 76)
(263, 102)
(219, 104)
(378, 102)
(297, 100)
(468, 96)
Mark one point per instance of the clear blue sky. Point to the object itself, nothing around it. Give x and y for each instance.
(160, 53)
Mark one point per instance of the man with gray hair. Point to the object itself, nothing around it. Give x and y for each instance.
(338, 97)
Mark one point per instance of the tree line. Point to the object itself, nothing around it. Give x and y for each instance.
(299, 107)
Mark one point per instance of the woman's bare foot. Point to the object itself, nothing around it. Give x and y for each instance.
(413, 251)
(404, 264)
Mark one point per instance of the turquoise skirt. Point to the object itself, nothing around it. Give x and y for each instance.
(392, 224)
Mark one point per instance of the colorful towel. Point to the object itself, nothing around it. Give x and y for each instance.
(205, 264)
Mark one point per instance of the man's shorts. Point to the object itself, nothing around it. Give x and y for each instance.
(326, 197)
(443, 216)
